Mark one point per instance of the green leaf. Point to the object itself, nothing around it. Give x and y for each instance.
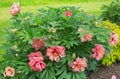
(69, 75)
(43, 74)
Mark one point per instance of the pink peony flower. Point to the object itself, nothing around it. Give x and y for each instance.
(113, 77)
(36, 61)
(38, 44)
(79, 64)
(37, 64)
(68, 13)
(55, 52)
(10, 72)
(34, 55)
(113, 39)
(15, 9)
(87, 37)
(98, 52)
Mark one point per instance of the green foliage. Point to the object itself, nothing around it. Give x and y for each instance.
(111, 12)
(113, 57)
(60, 30)
(115, 53)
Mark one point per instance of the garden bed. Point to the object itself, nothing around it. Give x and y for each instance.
(106, 72)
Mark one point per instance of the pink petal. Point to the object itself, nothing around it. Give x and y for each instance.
(113, 77)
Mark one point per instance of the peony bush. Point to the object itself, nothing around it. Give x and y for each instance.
(56, 43)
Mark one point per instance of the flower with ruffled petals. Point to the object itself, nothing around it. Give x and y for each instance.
(10, 72)
(113, 39)
(37, 64)
(38, 44)
(55, 52)
(87, 37)
(98, 52)
(36, 61)
(34, 55)
(68, 13)
(79, 64)
(15, 9)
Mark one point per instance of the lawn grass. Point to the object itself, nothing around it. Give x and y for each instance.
(7, 3)
(90, 6)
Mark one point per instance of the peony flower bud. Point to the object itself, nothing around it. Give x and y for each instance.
(53, 30)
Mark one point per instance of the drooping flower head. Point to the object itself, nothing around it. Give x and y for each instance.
(79, 64)
(113, 39)
(55, 52)
(10, 72)
(87, 37)
(36, 61)
(38, 44)
(98, 52)
(15, 9)
(68, 13)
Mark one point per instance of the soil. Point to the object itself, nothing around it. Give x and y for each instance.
(106, 72)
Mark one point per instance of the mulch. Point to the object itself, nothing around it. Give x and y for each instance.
(106, 72)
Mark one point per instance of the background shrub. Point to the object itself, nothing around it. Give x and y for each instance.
(115, 53)
(111, 12)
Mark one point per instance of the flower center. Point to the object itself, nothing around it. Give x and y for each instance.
(79, 66)
(55, 54)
